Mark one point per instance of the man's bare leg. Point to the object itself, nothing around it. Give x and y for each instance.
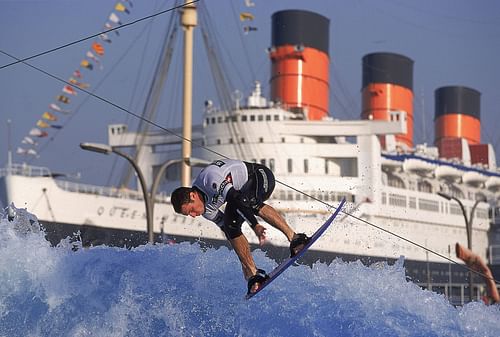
(272, 217)
(242, 249)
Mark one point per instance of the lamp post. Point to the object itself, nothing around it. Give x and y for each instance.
(192, 162)
(106, 149)
(468, 226)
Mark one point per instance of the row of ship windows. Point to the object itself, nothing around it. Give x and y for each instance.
(312, 195)
(289, 165)
(242, 118)
(399, 200)
(243, 140)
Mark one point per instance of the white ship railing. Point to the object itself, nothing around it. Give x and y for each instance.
(113, 192)
(25, 170)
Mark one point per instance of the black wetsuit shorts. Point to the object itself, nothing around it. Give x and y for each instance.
(253, 193)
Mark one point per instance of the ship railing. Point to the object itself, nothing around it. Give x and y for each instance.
(456, 293)
(494, 254)
(25, 170)
(112, 192)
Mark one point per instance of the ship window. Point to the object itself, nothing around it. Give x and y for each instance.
(244, 118)
(271, 164)
(261, 139)
(289, 164)
(384, 198)
(326, 166)
(231, 141)
(260, 118)
(268, 117)
(219, 119)
(424, 186)
(218, 141)
(213, 120)
(276, 117)
(428, 205)
(413, 202)
(263, 162)
(207, 121)
(397, 200)
(252, 118)
(242, 139)
(455, 209)
(282, 139)
(306, 166)
(395, 181)
(234, 118)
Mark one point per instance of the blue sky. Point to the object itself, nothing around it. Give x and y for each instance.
(453, 42)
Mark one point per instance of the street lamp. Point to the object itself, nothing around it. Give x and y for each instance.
(468, 226)
(193, 162)
(106, 149)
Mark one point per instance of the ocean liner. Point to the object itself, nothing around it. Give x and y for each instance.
(403, 196)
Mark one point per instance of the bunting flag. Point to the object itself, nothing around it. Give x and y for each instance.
(98, 48)
(246, 16)
(63, 99)
(121, 8)
(107, 25)
(50, 117)
(31, 152)
(41, 124)
(105, 38)
(115, 19)
(68, 89)
(57, 108)
(86, 64)
(77, 73)
(249, 3)
(38, 133)
(93, 57)
(248, 29)
(29, 141)
(79, 84)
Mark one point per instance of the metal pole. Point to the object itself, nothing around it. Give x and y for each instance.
(147, 199)
(157, 180)
(188, 21)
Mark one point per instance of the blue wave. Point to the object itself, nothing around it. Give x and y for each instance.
(185, 290)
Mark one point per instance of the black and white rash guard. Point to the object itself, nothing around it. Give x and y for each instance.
(221, 182)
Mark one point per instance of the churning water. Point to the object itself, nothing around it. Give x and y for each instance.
(184, 290)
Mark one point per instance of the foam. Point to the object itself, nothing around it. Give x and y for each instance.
(184, 290)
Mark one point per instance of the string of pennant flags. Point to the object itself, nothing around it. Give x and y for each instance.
(51, 119)
(247, 17)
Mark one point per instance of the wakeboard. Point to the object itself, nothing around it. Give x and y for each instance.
(288, 262)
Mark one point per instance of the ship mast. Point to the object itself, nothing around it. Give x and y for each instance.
(188, 21)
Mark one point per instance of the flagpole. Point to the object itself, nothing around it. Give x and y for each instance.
(188, 21)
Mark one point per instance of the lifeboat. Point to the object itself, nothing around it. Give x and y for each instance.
(449, 173)
(474, 178)
(391, 165)
(493, 184)
(418, 166)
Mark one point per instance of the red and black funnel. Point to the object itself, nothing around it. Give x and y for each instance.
(300, 62)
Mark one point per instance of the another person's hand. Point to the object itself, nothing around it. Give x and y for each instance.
(260, 231)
